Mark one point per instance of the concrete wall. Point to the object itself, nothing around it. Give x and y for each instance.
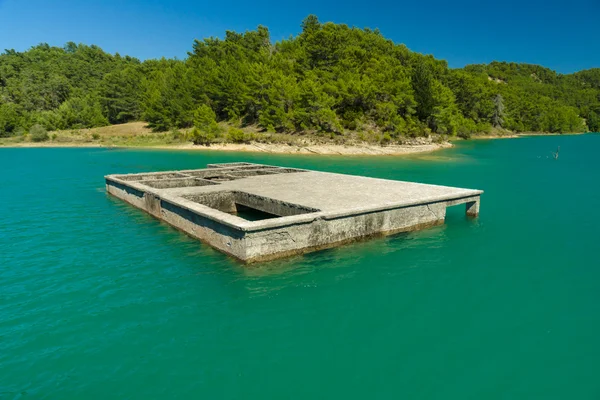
(325, 233)
(219, 236)
(132, 196)
(226, 201)
(177, 183)
(294, 237)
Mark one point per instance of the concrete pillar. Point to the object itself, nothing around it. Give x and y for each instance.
(152, 203)
(473, 208)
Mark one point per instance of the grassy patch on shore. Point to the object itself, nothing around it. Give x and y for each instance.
(138, 134)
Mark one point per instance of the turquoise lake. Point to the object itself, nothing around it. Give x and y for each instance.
(98, 300)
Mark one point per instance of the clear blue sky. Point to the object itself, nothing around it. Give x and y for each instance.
(562, 35)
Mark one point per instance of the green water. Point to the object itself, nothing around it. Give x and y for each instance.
(99, 300)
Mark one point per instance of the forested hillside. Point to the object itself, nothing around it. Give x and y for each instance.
(329, 79)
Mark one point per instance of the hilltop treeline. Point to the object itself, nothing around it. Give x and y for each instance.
(329, 79)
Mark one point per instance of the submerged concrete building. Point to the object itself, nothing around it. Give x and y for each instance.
(257, 212)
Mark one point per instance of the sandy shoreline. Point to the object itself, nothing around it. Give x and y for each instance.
(354, 149)
(319, 149)
(322, 149)
(137, 135)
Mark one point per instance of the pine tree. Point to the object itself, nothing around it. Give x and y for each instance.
(498, 114)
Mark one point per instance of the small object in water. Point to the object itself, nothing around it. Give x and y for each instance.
(555, 155)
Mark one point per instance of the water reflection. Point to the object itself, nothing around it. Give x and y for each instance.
(442, 158)
(391, 255)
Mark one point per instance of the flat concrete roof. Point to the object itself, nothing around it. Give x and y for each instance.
(331, 195)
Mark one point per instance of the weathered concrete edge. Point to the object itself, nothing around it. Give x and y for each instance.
(310, 249)
(242, 225)
(238, 223)
(286, 253)
(229, 220)
(212, 167)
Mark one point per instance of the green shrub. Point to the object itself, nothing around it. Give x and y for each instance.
(463, 134)
(350, 119)
(386, 139)
(201, 137)
(205, 118)
(466, 128)
(484, 127)
(440, 139)
(327, 121)
(237, 135)
(369, 136)
(9, 119)
(176, 134)
(38, 133)
(95, 136)
(78, 112)
(206, 128)
(53, 136)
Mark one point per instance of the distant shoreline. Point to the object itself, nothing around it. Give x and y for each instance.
(317, 149)
(137, 135)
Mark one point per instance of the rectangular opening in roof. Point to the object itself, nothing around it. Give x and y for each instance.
(252, 214)
(151, 176)
(177, 183)
(231, 165)
(230, 174)
(248, 206)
